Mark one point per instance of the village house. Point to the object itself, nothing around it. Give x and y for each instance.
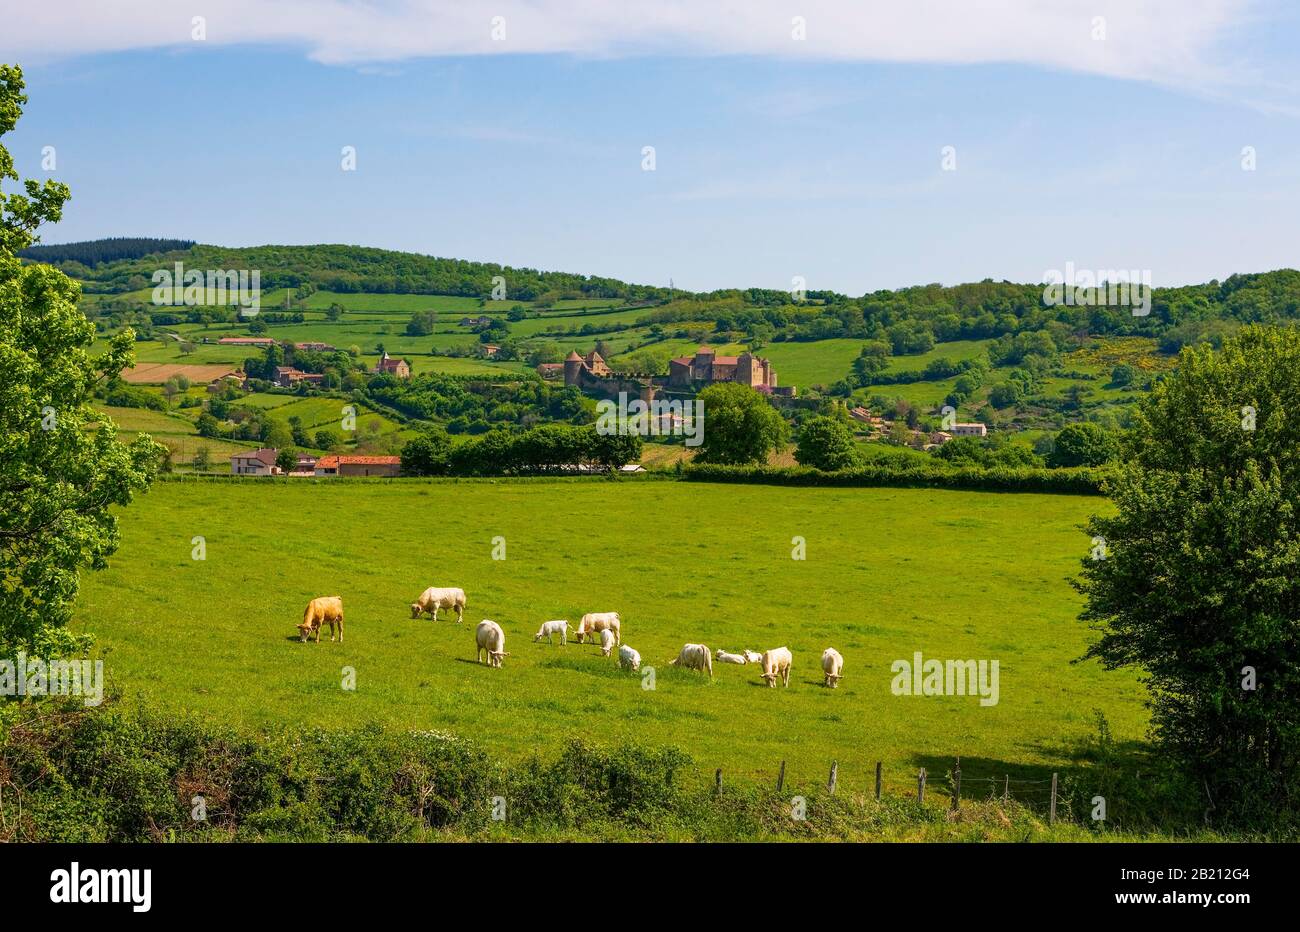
(288, 377)
(332, 465)
(490, 349)
(398, 367)
(476, 322)
(255, 463)
(969, 430)
(230, 378)
(550, 370)
(305, 467)
(314, 347)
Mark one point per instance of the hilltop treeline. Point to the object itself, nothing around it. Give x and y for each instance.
(362, 269)
(93, 253)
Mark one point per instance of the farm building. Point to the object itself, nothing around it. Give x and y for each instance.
(314, 347)
(550, 370)
(332, 465)
(246, 341)
(288, 377)
(476, 322)
(398, 367)
(969, 430)
(255, 463)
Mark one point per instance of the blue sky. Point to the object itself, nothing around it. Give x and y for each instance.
(824, 164)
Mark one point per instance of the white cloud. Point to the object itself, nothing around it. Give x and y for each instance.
(1168, 41)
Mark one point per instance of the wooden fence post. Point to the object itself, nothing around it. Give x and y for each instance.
(1052, 816)
(920, 786)
(835, 772)
(956, 785)
(780, 779)
(877, 781)
(1006, 788)
(717, 782)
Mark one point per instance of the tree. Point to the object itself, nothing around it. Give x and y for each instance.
(1082, 444)
(286, 459)
(202, 459)
(873, 360)
(1122, 375)
(826, 443)
(1197, 582)
(426, 454)
(60, 482)
(739, 425)
(326, 439)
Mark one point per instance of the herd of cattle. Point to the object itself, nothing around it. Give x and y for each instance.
(607, 627)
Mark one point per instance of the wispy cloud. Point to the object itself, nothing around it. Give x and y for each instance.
(1174, 42)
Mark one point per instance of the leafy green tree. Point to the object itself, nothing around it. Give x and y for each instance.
(286, 459)
(426, 454)
(326, 439)
(739, 426)
(60, 480)
(202, 459)
(1082, 444)
(1195, 578)
(873, 360)
(826, 443)
(1122, 375)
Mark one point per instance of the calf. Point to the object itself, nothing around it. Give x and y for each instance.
(832, 664)
(549, 629)
(776, 662)
(724, 657)
(694, 657)
(627, 657)
(491, 643)
(326, 609)
(752, 656)
(606, 642)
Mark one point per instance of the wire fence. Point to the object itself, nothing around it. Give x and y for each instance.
(1038, 793)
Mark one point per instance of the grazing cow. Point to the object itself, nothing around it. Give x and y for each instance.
(694, 657)
(606, 642)
(832, 664)
(325, 610)
(433, 599)
(491, 641)
(627, 657)
(724, 657)
(776, 662)
(752, 656)
(594, 622)
(549, 629)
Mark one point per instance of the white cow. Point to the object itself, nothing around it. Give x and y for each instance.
(724, 657)
(694, 657)
(832, 664)
(433, 599)
(627, 657)
(776, 662)
(606, 642)
(549, 629)
(491, 641)
(594, 622)
(752, 656)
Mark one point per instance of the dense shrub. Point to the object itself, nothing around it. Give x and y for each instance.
(1000, 479)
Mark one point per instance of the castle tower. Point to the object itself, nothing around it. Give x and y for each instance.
(572, 368)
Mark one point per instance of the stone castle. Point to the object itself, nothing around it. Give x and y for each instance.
(685, 373)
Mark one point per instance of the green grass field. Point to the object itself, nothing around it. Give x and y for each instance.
(888, 572)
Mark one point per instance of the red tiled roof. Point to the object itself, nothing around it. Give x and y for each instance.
(725, 360)
(333, 461)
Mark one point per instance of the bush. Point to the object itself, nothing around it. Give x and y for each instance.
(1000, 479)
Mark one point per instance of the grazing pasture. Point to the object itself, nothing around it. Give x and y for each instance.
(888, 572)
